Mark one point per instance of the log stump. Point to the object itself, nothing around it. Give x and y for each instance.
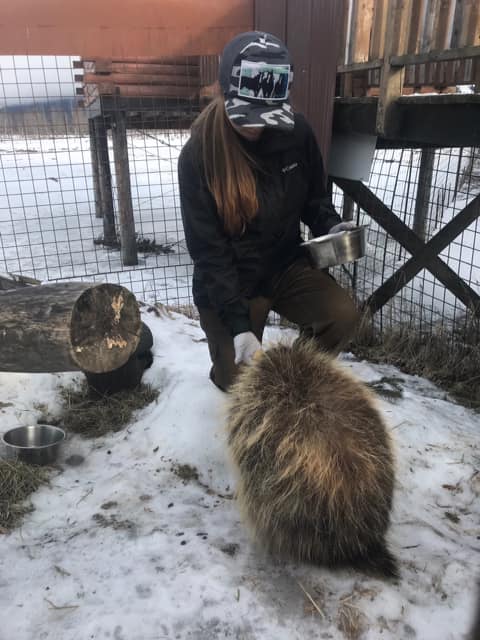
(68, 326)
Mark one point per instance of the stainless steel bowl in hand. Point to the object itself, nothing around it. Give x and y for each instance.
(35, 444)
(337, 248)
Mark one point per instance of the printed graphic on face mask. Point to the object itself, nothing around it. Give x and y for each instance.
(262, 81)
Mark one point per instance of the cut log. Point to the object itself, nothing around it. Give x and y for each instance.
(68, 326)
(13, 281)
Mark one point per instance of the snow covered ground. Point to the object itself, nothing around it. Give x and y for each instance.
(126, 547)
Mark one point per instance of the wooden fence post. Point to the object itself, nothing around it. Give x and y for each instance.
(425, 175)
(105, 181)
(95, 169)
(122, 171)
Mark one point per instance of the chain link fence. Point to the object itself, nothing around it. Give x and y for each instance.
(70, 175)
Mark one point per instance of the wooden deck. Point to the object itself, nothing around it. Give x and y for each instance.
(396, 47)
(435, 120)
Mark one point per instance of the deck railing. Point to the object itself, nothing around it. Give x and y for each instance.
(392, 47)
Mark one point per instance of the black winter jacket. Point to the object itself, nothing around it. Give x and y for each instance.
(290, 188)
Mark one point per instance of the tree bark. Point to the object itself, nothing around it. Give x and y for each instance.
(68, 326)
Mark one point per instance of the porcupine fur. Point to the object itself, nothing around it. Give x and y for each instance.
(314, 460)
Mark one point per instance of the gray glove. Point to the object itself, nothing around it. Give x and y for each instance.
(342, 226)
(246, 345)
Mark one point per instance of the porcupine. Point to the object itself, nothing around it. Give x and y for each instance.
(314, 459)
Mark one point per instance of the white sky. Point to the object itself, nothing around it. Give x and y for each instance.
(25, 78)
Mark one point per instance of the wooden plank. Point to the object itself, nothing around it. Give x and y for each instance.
(455, 40)
(360, 66)
(428, 35)
(423, 255)
(401, 27)
(342, 54)
(118, 28)
(346, 85)
(167, 60)
(474, 32)
(348, 207)
(208, 70)
(153, 69)
(300, 43)
(417, 22)
(139, 79)
(352, 19)
(142, 90)
(470, 32)
(476, 75)
(145, 104)
(435, 56)
(328, 16)
(100, 65)
(271, 16)
(377, 43)
(122, 172)
(392, 78)
(442, 26)
(14, 281)
(363, 30)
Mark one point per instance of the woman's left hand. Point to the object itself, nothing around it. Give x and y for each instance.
(342, 226)
(246, 346)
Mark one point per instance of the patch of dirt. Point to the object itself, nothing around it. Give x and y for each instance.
(109, 505)
(186, 472)
(231, 549)
(452, 516)
(388, 387)
(75, 460)
(111, 521)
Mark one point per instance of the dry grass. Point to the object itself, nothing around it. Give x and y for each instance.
(17, 481)
(95, 417)
(350, 620)
(447, 359)
(188, 310)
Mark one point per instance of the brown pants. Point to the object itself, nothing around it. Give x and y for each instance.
(305, 296)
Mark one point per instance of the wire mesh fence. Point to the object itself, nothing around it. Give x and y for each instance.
(78, 172)
(426, 189)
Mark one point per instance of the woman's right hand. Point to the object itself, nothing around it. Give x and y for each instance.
(246, 345)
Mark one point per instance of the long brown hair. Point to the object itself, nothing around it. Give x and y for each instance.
(228, 168)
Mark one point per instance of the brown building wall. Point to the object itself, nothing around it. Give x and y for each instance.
(121, 28)
(312, 30)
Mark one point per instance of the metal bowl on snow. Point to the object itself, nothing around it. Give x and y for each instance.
(35, 444)
(337, 248)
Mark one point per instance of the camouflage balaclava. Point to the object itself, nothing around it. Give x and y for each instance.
(255, 76)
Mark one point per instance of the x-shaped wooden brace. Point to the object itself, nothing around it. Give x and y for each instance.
(424, 255)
